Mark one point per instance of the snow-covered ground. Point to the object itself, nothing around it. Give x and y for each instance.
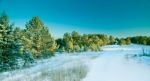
(114, 63)
(62, 67)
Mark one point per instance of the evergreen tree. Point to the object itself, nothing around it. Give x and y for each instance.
(68, 42)
(76, 41)
(8, 47)
(112, 40)
(61, 45)
(85, 42)
(41, 41)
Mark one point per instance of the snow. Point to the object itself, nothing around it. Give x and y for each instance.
(59, 62)
(114, 66)
(114, 63)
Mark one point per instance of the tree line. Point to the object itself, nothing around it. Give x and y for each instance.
(143, 40)
(20, 47)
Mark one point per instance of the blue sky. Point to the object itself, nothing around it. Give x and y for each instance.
(114, 17)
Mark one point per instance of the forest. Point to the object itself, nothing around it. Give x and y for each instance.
(20, 48)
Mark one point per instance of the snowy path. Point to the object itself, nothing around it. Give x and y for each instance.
(115, 67)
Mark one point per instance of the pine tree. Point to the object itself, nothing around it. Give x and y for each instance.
(76, 41)
(41, 41)
(85, 42)
(68, 42)
(112, 40)
(60, 44)
(9, 48)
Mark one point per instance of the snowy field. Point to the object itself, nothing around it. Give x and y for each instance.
(114, 63)
(62, 67)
